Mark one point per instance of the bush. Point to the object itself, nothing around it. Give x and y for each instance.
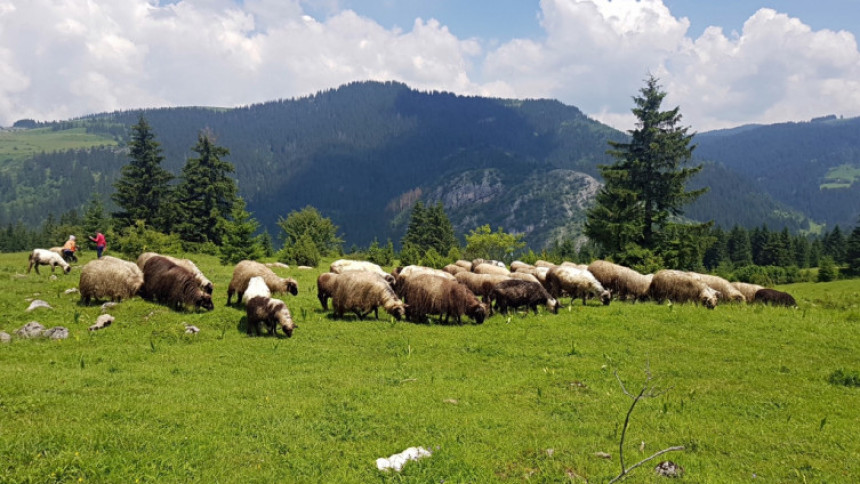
(844, 378)
(382, 256)
(433, 259)
(410, 255)
(303, 253)
(136, 239)
(827, 270)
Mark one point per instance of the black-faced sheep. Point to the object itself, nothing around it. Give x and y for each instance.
(44, 257)
(576, 284)
(428, 294)
(274, 313)
(481, 285)
(516, 293)
(623, 282)
(774, 297)
(325, 286)
(205, 284)
(346, 265)
(748, 290)
(109, 278)
(725, 291)
(681, 287)
(246, 269)
(363, 292)
(173, 285)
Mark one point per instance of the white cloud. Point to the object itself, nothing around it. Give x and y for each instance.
(60, 59)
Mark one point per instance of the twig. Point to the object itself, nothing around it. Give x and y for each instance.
(627, 471)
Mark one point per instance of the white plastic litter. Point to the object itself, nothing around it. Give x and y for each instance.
(397, 461)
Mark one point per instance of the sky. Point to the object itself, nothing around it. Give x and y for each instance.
(724, 64)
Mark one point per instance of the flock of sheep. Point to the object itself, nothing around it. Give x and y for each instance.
(473, 289)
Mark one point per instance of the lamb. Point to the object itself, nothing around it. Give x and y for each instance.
(774, 297)
(481, 285)
(623, 282)
(204, 283)
(325, 286)
(576, 283)
(109, 278)
(485, 268)
(681, 287)
(515, 293)
(246, 269)
(428, 294)
(45, 257)
(273, 312)
(345, 265)
(725, 291)
(174, 285)
(363, 292)
(748, 290)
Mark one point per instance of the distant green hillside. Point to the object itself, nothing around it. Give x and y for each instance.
(20, 144)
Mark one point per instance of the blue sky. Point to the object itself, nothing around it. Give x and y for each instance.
(725, 63)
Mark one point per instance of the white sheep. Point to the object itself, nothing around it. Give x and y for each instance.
(576, 283)
(45, 257)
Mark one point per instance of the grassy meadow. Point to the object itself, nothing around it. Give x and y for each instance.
(21, 144)
(519, 398)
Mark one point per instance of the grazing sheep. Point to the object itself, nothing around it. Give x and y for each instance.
(45, 257)
(539, 273)
(576, 283)
(725, 291)
(402, 274)
(515, 293)
(109, 278)
(623, 282)
(428, 294)
(256, 288)
(485, 268)
(481, 285)
(517, 264)
(59, 251)
(273, 312)
(544, 263)
(454, 269)
(748, 290)
(246, 269)
(523, 276)
(582, 267)
(204, 283)
(325, 286)
(477, 262)
(774, 297)
(363, 292)
(464, 264)
(345, 265)
(169, 283)
(681, 287)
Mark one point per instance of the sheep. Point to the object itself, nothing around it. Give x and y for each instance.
(748, 290)
(485, 268)
(539, 273)
(543, 263)
(169, 283)
(256, 288)
(428, 294)
(725, 291)
(325, 286)
(523, 276)
(205, 284)
(345, 265)
(576, 283)
(454, 269)
(403, 273)
(582, 267)
(518, 264)
(59, 251)
(774, 297)
(47, 258)
(464, 264)
(515, 293)
(681, 287)
(623, 282)
(246, 269)
(477, 262)
(480, 284)
(363, 292)
(273, 312)
(109, 278)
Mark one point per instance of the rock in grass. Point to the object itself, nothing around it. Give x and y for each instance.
(668, 468)
(71, 290)
(191, 329)
(397, 461)
(603, 455)
(38, 303)
(5, 337)
(102, 322)
(33, 329)
(57, 332)
(108, 305)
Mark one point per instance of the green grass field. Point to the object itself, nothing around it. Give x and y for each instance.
(20, 144)
(520, 398)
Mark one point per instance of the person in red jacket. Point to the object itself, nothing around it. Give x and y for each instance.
(99, 239)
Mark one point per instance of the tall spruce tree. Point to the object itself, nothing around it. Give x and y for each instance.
(852, 252)
(646, 186)
(429, 228)
(238, 241)
(143, 191)
(205, 194)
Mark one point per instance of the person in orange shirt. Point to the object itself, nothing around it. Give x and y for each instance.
(69, 249)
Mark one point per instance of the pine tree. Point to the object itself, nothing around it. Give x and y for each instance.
(95, 217)
(834, 245)
(238, 241)
(205, 194)
(429, 228)
(852, 252)
(320, 230)
(739, 247)
(645, 187)
(143, 191)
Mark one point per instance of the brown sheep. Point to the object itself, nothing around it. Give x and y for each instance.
(273, 312)
(109, 278)
(774, 297)
(544, 263)
(346, 265)
(402, 274)
(428, 294)
(45, 257)
(516, 293)
(725, 291)
(748, 290)
(577, 284)
(623, 282)
(480, 284)
(205, 284)
(485, 268)
(681, 287)
(363, 292)
(246, 269)
(523, 276)
(325, 286)
(464, 264)
(582, 267)
(171, 284)
(454, 269)
(517, 264)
